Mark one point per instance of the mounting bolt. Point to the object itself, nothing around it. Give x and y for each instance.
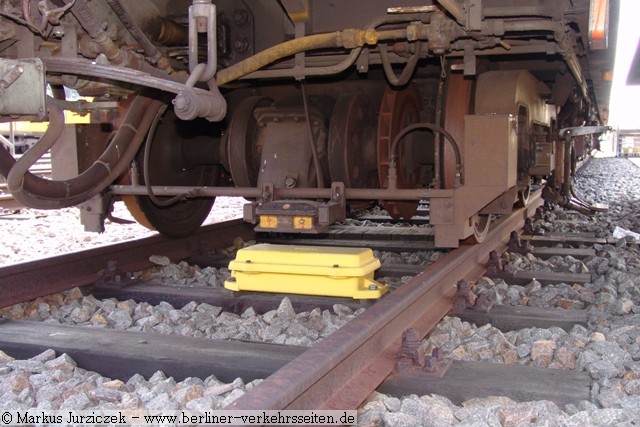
(181, 102)
(290, 182)
(240, 17)
(58, 31)
(241, 45)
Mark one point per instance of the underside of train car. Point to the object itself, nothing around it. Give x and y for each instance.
(306, 108)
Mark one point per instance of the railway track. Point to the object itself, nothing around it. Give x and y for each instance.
(339, 372)
(420, 304)
(29, 280)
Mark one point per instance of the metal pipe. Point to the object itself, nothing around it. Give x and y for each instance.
(454, 9)
(528, 11)
(438, 143)
(350, 39)
(308, 71)
(434, 128)
(532, 25)
(573, 63)
(340, 66)
(408, 70)
(284, 193)
(568, 150)
(284, 69)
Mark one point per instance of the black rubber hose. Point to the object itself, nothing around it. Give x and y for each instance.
(408, 70)
(40, 193)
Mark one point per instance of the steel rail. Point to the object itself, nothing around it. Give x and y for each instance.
(26, 281)
(341, 371)
(7, 202)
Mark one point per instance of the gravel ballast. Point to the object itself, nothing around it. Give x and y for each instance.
(31, 234)
(608, 349)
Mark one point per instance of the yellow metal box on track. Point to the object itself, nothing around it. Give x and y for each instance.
(307, 270)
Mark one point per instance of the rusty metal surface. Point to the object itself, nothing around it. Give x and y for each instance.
(28, 280)
(7, 202)
(398, 109)
(352, 142)
(243, 155)
(459, 93)
(341, 371)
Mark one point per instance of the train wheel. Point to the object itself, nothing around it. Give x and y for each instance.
(352, 142)
(167, 166)
(243, 156)
(398, 109)
(480, 225)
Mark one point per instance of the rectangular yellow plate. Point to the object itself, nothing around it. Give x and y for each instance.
(303, 222)
(268, 221)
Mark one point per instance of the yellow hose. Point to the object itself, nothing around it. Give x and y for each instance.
(350, 38)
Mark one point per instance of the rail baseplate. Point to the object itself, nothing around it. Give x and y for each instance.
(306, 270)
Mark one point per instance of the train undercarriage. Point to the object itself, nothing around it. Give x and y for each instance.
(305, 108)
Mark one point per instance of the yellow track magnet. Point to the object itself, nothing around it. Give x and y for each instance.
(306, 270)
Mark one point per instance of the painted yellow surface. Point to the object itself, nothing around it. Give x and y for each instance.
(37, 128)
(306, 270)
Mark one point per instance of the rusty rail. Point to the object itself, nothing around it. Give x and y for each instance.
(25, 281)
(341, 371)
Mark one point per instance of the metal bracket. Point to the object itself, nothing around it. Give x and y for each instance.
(568, 133)
(112, 276)
(410, 355)
(469, 62)
(495, 265)
(336, 209)
(474, 15)
(202, 19)
(464, 297)
(93, 213)
(17, 78)
(267, 193)
(518, 246)
(411, 359)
